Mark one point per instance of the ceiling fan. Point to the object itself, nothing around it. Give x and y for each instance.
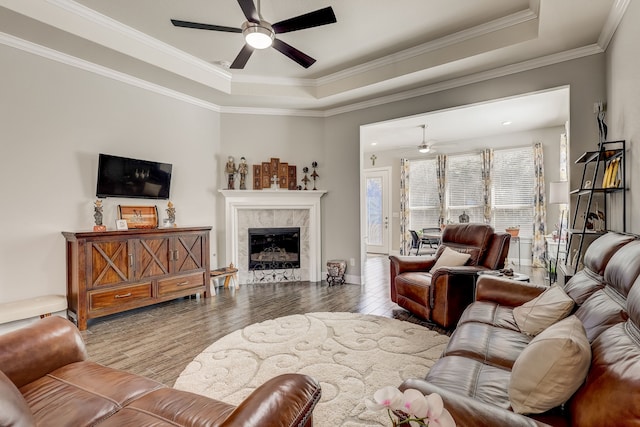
(260, 34)
(424, 147)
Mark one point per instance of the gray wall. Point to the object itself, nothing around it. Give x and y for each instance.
(623, 116)
(585, 76)
(56, 119)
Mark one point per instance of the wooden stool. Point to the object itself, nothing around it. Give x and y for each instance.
(227, 273)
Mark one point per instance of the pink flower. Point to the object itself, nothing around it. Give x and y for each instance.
(388, 397)
(413, 408)
(438, 416)
(415, 403)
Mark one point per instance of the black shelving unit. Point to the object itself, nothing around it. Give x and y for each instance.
(597, 163)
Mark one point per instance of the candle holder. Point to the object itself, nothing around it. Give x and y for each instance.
(314, 175)
(306, 178)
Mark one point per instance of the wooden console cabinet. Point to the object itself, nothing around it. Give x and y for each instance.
(114, 271)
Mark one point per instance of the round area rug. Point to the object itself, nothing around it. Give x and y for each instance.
(351, 356)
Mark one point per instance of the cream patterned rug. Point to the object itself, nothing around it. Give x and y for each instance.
(351, 356)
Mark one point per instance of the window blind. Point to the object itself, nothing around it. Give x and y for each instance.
(423, 194)
(513, 185)
(464, 181)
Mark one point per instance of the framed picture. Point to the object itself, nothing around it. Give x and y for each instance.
(121, 224)
(139, 216)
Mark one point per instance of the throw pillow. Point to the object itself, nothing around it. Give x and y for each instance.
(550, 368)
(450, 258)
(536, 315)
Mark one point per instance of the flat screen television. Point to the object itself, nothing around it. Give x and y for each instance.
(124, 177)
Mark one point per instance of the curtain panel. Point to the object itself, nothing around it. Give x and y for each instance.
(441, 175)
(405, 236)
(539, 209)
(487, 181)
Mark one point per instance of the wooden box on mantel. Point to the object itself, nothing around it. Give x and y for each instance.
(266, 175)
(257, 177)
(285, 173)
(293, 177)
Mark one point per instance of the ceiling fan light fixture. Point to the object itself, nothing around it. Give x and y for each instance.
(258, 36)
(424, 147)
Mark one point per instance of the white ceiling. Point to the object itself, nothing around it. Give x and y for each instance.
(376, 52)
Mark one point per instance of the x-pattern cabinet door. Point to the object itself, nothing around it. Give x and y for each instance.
(112, 262)
(152, 256)
(188, 253)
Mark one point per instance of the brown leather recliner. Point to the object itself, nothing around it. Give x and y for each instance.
(442, 296)
(46, 379)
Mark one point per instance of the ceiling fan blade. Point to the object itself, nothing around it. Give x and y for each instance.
(286, 49)
(242, 58)
(249, 10)
(312, 19)
(198, 26)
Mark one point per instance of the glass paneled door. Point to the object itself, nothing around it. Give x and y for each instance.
(377, 211)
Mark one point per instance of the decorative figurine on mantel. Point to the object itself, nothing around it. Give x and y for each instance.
(97, 215)
(230, 170)
(243, 169)
(306, 178)
(275, 182)
(314, 175)
(171, 215)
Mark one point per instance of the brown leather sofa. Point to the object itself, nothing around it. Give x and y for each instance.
(46, 380)
(474, 373)
(442, 296)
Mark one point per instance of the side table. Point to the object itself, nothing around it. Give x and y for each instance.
(335, 271)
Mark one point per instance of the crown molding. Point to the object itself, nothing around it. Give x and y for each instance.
(104, 21)
(45, 52)
(613, 20)
(274, 81)
(273, 111)
(70, 60)
(474, 78)
(443, 42)
(54, 55)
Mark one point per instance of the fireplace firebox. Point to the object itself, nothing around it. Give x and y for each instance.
(274, 248)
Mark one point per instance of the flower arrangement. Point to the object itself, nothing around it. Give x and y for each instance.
(413, 408)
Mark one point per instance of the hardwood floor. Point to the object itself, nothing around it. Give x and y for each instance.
(159, 341)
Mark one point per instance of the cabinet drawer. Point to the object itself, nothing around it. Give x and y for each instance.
(180, 283)
(114, 297)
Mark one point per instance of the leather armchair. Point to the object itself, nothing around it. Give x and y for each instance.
(442, 296)
(46, 379)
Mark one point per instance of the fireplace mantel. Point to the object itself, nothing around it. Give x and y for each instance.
(308, 200)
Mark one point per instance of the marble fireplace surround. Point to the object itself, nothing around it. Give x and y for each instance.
(246, 209)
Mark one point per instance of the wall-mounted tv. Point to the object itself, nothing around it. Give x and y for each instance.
(124, 177)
